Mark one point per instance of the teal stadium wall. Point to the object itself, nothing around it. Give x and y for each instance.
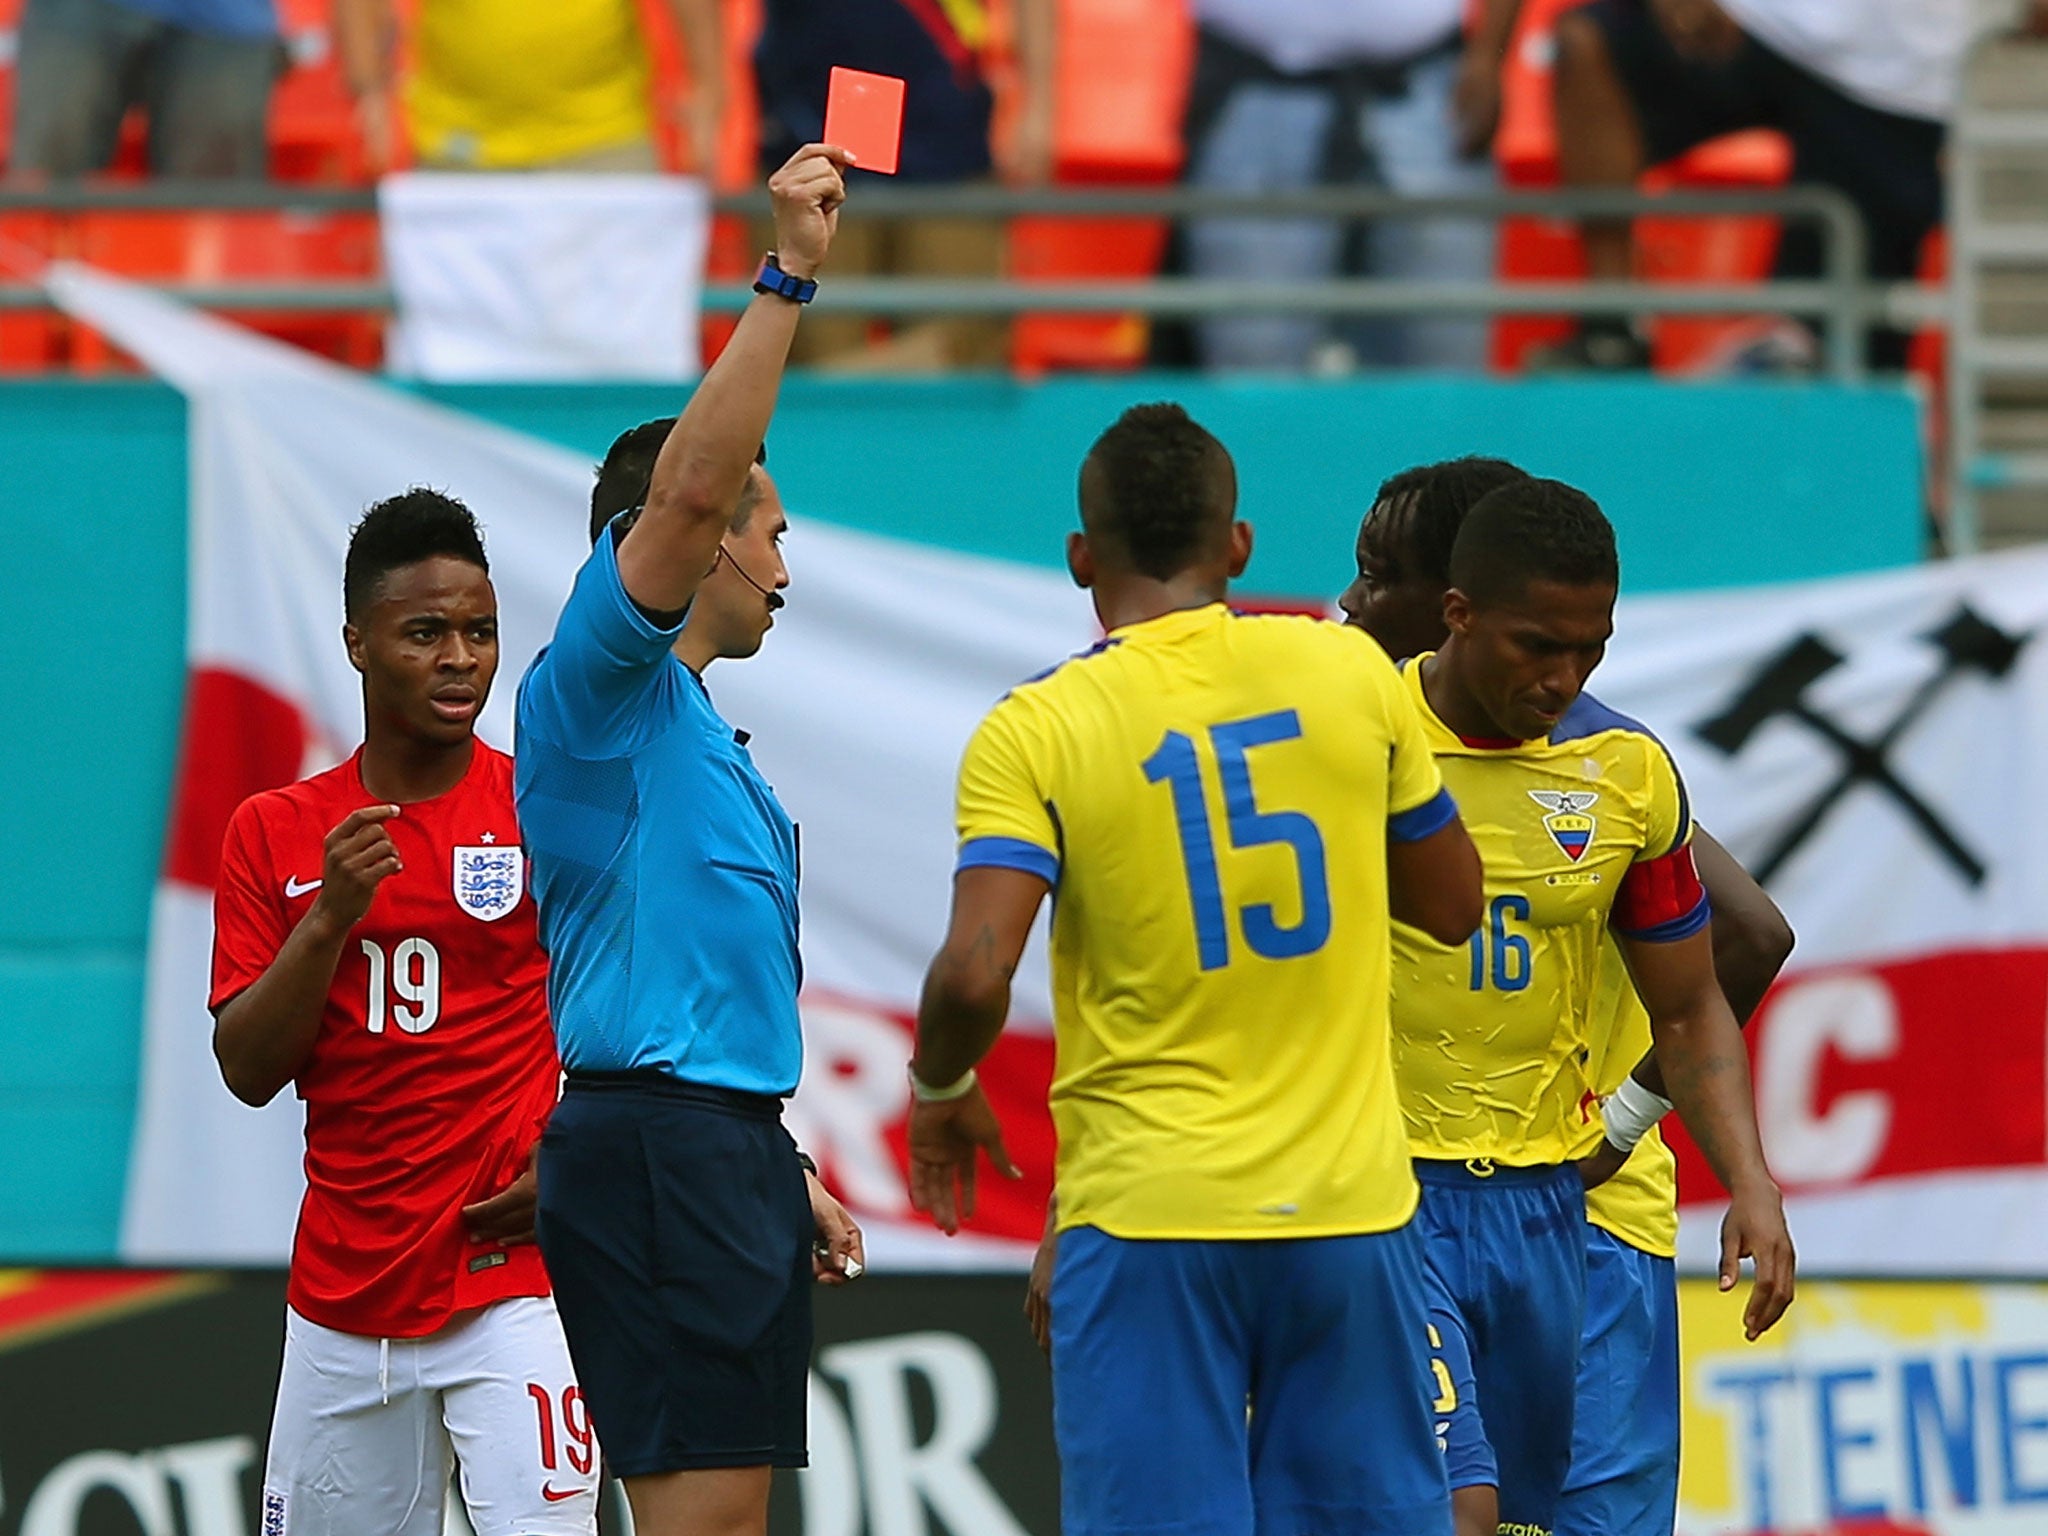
(1708, 486)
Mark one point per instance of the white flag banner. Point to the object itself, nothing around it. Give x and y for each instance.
(1871, 748)
(1870, 745)
(887, 656)
(545, 276)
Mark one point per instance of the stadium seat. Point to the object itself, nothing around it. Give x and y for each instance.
(1927, 366)
(735, 245)
(1051, 250)
(1928, 358)
(312, 122)
(733, 165)
(208, 247)
(1669, 250)
(31, 341)
(1122, 75)
(313, 134)
(10, 49)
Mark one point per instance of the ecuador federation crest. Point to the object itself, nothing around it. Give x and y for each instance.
(1568, 824)
(488, 880)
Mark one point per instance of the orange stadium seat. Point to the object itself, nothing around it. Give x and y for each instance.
(1927, 364)
(312, 122)
(10, 49)
(312, 119)
(1927, 359)
(27, 340)
(30, 340)
(313, 138)
(1116, 124)
(733, 251)
(733, 165)
(208, 247)
(1121, 82)
(1669, 250)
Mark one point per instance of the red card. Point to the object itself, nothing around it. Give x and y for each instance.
(864, 117)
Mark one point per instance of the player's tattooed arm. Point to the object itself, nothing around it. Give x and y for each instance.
(265, 1032)
(1707, 1069)
(965, 1001)
(966, 996)
(1752, 941)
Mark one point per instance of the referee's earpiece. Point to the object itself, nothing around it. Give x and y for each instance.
(775, 599)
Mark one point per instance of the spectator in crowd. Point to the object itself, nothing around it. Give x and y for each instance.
(1861, 88)
(940, 49)
(1297, 93)
(515, 85)
(202, 71)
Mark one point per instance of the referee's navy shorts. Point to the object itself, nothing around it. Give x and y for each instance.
(677, 1231)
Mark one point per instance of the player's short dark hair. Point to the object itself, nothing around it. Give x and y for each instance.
(628, 470)
(1533, 530)
(402, 530)
(1432, 500)
(1160, 488)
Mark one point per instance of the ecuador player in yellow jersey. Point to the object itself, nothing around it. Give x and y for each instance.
(1229, 809)
(1583, 824)
(1624, 1468)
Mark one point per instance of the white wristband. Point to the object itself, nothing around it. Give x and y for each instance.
(1630, 1111)
(959, 1088)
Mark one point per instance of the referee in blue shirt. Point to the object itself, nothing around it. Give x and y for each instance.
(680, 1226)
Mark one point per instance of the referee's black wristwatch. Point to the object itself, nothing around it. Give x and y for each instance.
(772, 279)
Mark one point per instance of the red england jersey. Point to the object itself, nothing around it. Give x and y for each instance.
(434, 1069)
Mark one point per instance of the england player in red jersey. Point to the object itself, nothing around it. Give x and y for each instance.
(375, 946)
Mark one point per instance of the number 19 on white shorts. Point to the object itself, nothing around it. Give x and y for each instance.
(368, 1431)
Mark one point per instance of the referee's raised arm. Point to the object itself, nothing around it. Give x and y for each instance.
(703, 465)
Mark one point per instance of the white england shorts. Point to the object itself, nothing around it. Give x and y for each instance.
(367, 1430)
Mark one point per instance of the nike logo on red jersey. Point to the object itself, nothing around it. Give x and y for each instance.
(294, 887)
(555, 1495)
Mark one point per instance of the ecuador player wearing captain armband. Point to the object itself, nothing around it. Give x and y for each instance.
(1229, 810)
(1624, 1471)
(1585, 831)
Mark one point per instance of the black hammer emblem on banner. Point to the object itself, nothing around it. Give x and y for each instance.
(1780, 689)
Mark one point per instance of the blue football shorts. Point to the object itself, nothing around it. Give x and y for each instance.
(1504, 1251)
(1219, 1388)
(1624, 1476)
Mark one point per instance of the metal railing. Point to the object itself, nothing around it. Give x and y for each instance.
(1986, 239)
(1844, 303)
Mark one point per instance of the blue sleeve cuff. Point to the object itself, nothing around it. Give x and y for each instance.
(1418, 822)
(646, 627)
(1008, 853)
(1674, 929)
